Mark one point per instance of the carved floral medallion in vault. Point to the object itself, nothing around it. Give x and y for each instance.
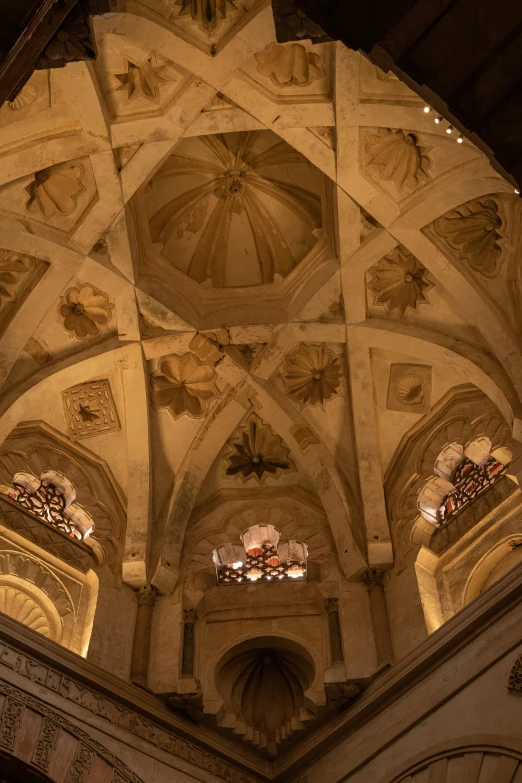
(287, 65)
(208, 24)
(234, 210)
(399, 282)
(143, 79)
(84, 312)
(312, 375)
(184, 385)
(257, 453)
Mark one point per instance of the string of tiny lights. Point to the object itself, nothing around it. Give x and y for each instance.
(449, 130)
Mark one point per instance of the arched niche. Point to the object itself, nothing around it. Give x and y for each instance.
(474, 758)
(498, 562)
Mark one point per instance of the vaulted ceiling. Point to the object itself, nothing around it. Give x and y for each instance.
(271, 259)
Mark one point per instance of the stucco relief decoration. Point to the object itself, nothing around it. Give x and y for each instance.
(90, 409)
(14, 268)
(258, 453)
(207, 13)
(312, 375)
(25, 98)
(51, 498)
(399, 157)
(474, 230)
(515, 677)
(84, 312)
(73, 41)
(143, 78)
(236, 209)
(290, 64)
(22, 607)
(400, 282)
(184, 385)
(247, 683)
(409, 389)
(56, 190)
(293, 24)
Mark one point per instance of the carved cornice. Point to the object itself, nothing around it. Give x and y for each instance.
(127, 714)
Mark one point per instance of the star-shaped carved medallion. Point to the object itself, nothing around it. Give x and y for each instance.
(143, 79)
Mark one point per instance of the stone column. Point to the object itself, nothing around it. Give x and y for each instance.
(141, 646)
(334, 627)
(379, 610)
(190, 617)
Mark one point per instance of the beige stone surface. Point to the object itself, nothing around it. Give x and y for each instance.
(299, 295)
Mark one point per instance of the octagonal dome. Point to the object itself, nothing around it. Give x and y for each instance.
(235, 209)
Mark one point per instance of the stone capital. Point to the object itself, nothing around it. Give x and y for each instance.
(331, 605)
(190, 616)
(147, 595)
(373, 580)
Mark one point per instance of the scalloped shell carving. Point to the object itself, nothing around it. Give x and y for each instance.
(474, 230)
(399, 157)
(25, 609)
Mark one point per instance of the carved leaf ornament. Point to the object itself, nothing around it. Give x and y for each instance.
(13, 268)
(312, 374)
(399, 157)
(259, 451)
(474, 231)
(184, 384)
(207, 13)
(55, 189)
(289, 65)
(399, 282)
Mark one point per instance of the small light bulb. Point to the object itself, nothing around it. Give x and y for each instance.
(427, 110)
(460, 139)
(517, 192)
(438, 119)
(449, 129)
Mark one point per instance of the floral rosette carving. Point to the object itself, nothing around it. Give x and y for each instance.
(312, 375)
(85, 311)
(55, 189)
(399, 157)
(184, 385)
(399, 282)
(288, 65)
(257, 453)
(474, 231)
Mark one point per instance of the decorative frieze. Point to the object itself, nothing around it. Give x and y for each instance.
(46, 744)
(81, 764)
(10, 722)
(120, 716)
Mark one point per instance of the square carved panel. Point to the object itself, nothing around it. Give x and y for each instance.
(90, 409)
(409, 390)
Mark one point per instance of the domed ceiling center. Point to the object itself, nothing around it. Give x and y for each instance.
(236, 209)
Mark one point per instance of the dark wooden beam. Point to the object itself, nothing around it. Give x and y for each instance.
(44, 34)
(464, 57)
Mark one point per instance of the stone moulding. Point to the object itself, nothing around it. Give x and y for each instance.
(62, 671)
(93, 700)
